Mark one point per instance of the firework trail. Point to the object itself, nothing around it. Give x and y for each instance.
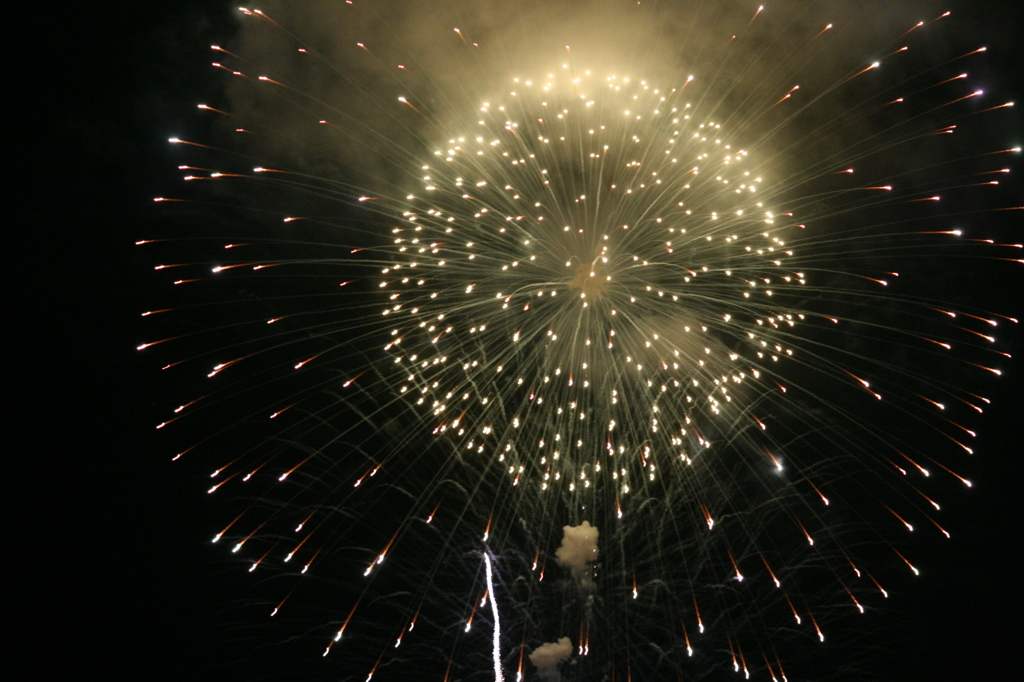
(640, 332)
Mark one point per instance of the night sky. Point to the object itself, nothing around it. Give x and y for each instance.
(114, 540)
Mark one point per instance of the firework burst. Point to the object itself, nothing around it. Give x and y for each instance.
(574, 276)
(620, 364)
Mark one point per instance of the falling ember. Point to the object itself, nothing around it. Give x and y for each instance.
(909, 565)
(770, 572)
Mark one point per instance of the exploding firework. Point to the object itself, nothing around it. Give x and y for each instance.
(583, 369)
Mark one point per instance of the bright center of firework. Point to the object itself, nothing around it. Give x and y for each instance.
(590, 252)
(590, 280)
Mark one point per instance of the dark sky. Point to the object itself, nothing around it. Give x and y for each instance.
(113, 540)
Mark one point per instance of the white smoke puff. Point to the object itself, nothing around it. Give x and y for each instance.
(577, 551)
(549, 654)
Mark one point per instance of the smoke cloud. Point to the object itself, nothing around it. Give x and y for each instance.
(548, 655)
(347, 67)
(578, 551)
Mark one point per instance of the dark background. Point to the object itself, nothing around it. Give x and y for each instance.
(118, 576)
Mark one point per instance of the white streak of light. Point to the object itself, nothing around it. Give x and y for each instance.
(498, 677)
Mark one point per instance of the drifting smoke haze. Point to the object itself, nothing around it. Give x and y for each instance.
(522, 39)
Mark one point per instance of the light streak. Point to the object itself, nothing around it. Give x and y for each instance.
(496, 633)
